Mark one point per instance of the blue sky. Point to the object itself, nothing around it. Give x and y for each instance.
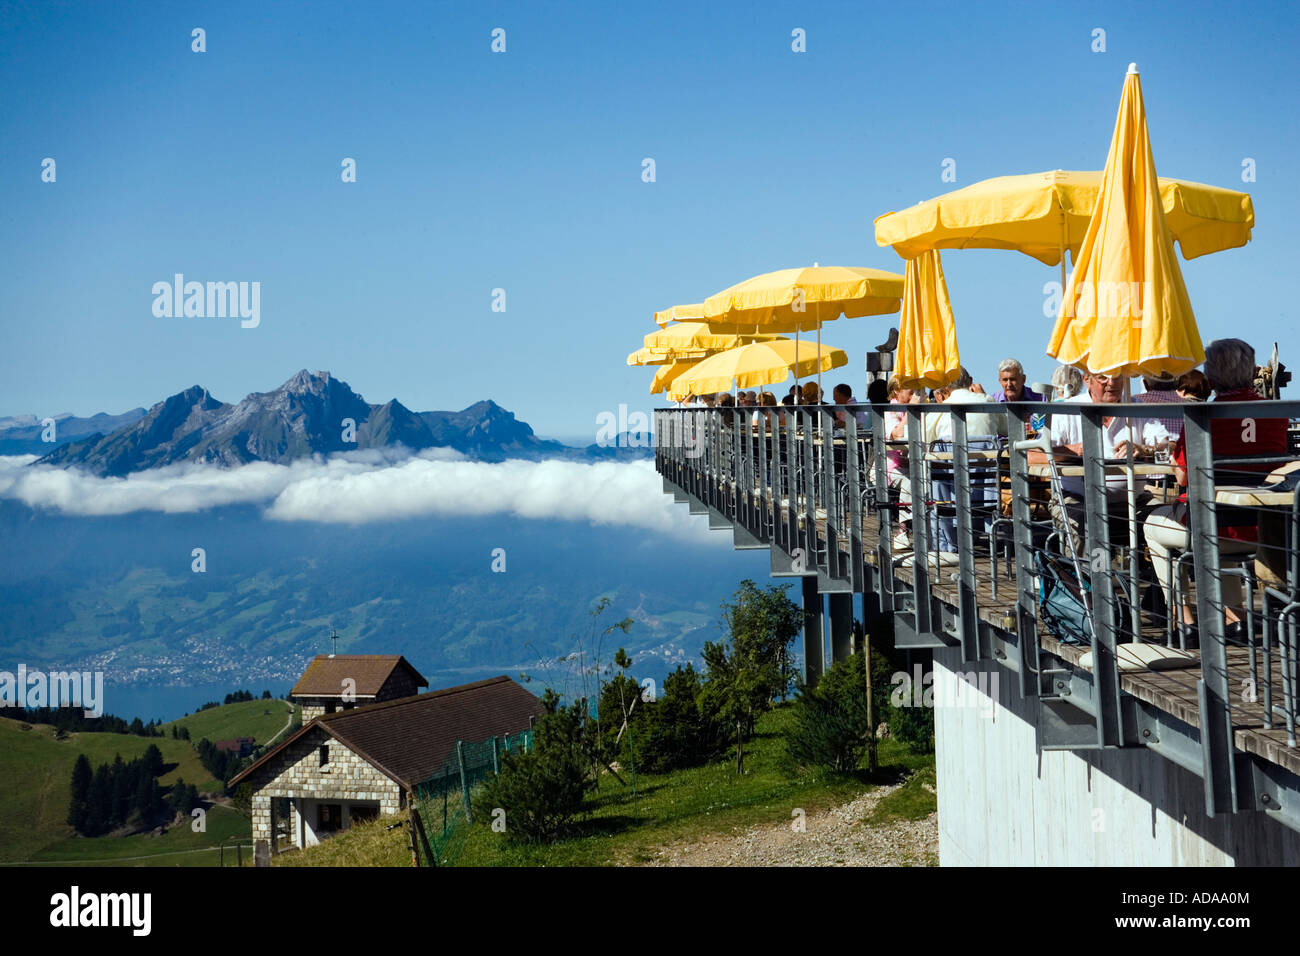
(522, 171)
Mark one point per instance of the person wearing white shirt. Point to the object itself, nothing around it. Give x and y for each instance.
(1067, 436)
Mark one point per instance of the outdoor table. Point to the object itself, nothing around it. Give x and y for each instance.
(975, 454)
(1143, 468)
(1275, 506)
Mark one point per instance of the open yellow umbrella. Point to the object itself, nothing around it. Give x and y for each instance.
(695, 336)
(927, 335)
(776, 300)
(1039, 214)
(680, 313)
(806, 322)
(755, 365)
(650, 357)
(789, 295)
(670, 373)
(1126, 311)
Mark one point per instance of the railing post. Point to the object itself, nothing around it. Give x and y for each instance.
(1105, 669)
(920, 521)
(857, 571)
(1212, 689)
(1026, 593)
(967, 601)
(809, 483)
(829, 495)
(884, 513)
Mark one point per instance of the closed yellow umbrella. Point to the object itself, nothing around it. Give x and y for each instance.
(1040, 214)
(1126, 311)
(755, 365)
(927, 354)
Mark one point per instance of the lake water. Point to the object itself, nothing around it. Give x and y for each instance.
(168, 703)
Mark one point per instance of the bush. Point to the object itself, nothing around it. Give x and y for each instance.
(677, 733)
(830, 728)
(541, 791)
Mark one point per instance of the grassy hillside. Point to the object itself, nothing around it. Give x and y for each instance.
(259, 719)
(687, 805)
(179, 846)
(37, 772)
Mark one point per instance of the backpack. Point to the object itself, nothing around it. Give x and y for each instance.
(1061, 597)
(1060, 600)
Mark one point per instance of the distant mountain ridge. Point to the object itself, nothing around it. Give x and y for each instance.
(25, 435)
(312, 413)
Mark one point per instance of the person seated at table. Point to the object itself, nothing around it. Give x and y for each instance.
(1161, 390)
(1067, 382)
(1230, 371)
(768, 419)
(982, 432)
(811, 394)
(962, 391)
(726, 402)
(1011, 376)
(896, 470)
(1067, 443)
(1193, 386)
(843, 395)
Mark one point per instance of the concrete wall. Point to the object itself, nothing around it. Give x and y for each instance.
(1002, 803)
(296, 773)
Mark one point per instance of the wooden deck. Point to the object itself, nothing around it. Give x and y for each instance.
(1173, 691)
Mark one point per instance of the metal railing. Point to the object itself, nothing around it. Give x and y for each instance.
(820, 496)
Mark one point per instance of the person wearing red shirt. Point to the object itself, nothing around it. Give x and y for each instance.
(1230, 368)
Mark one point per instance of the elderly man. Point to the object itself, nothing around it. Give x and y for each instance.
(1011, 376)
(1067, 440)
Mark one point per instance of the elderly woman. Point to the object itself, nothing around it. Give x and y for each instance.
(1230, 369)
(1067, 382)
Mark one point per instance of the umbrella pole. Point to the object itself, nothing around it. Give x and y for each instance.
(1134, 602)
(1063, 248)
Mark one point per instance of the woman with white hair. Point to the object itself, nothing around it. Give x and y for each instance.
(1067, 382)
(1230, 368)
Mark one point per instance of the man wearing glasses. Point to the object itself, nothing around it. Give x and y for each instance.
(1067, 445)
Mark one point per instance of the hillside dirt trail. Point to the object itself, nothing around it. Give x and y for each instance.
(834, 837)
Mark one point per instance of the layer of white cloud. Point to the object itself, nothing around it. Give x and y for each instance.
(368, 486)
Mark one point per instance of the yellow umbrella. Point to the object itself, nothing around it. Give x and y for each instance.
(755, 365)
(927, 335)
(650, 357)
(680, 313)
(695, 313)
(1126, 311)
(777, 300)
(1041, 214)
(791, 295)
(695, 336)
(669, 374)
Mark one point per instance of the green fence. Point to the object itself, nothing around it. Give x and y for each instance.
(443, 801)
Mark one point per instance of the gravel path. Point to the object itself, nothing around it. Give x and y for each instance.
(834, 837)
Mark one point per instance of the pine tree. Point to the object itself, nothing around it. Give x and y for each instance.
(82, 776)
